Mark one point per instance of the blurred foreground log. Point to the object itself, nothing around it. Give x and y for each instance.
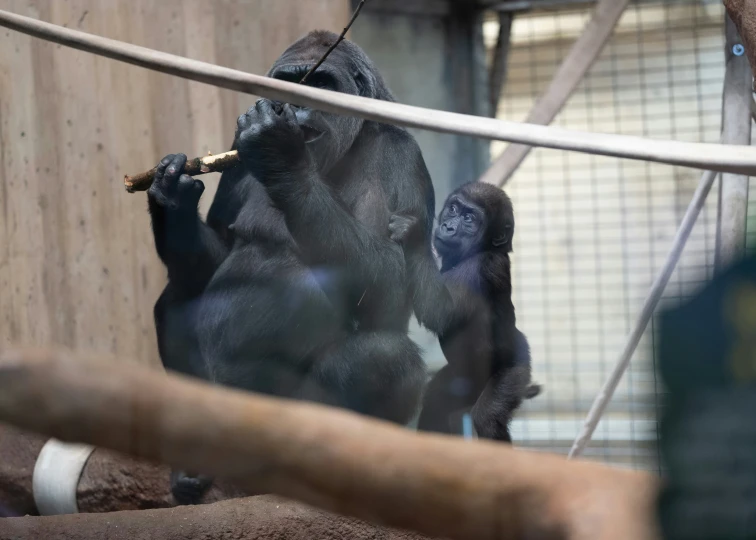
(332, 459)
(743, 14)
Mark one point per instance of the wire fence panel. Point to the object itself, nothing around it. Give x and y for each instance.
(592, 232)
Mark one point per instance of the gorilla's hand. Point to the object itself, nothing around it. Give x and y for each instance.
(171, 189)
(270, 141)
(405, 230)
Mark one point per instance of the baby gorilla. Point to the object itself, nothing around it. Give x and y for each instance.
(468, 304)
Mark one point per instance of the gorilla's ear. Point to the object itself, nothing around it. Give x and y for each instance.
(500, 240)
(504, 238)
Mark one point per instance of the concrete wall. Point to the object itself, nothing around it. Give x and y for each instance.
(421, 57)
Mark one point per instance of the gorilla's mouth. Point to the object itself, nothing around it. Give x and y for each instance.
(311, 134)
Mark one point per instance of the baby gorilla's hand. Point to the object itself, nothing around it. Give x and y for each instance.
(404, 230)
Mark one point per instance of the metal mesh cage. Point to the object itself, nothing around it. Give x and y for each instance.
(592, 232)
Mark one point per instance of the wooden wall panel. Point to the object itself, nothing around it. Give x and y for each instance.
(77, 260)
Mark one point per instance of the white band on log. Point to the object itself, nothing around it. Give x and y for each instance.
(56, 477)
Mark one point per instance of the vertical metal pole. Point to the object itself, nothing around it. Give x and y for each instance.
(468, 80)
(498, 72)
(736, 129)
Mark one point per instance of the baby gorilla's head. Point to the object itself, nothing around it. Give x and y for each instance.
(476, 217)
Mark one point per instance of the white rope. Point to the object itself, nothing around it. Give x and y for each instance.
(56, 477)
(657, 289)
(735, 159)
(570, 74)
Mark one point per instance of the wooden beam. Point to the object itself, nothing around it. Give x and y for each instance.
(529, 5)
(428, 8)
(468, 77)
(736, 129)
(338, 461)
(576, 64)
(499, 64)
(743, 14)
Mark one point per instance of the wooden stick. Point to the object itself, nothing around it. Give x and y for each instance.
(576, 64)
(193, 167)
(338, 461)
(698, 155)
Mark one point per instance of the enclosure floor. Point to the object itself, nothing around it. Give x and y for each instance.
(263, 517)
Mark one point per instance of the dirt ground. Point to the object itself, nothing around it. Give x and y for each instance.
(260, 518)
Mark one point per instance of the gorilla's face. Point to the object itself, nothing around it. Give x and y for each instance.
(461, 225)
(328, 136)
(476, 217)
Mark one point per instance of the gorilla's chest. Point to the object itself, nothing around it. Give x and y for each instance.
(368, 203)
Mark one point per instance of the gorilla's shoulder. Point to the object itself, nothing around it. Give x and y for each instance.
(399, 137)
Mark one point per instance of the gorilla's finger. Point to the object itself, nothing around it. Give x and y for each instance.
(289, 115)
(160, 169)
(159, 181)
(243, 122)
(265, 108)
(189, 190)
(185, 183)
(176, 166)
(278, 106)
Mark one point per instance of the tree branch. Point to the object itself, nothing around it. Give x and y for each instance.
(336, 460)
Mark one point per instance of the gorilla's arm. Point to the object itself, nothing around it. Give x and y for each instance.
(327, 233)
(190, 250)
(441, 301)
(444, 301)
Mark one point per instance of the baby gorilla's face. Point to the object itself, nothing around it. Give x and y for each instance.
(459, 234)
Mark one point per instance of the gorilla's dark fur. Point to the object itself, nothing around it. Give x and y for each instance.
(293, 286)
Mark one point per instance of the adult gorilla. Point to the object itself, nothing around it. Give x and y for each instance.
(293, 286)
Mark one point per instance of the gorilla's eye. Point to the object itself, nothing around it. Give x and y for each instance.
(453, 209)
(322, 79)
(468, 218)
